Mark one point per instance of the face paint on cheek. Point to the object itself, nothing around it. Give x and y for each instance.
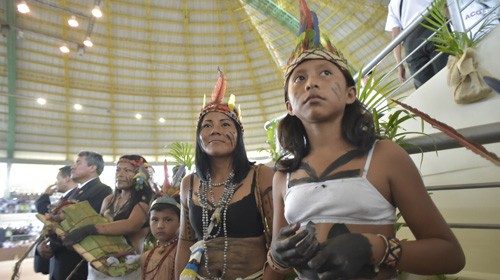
(231, 137)
(335, 89)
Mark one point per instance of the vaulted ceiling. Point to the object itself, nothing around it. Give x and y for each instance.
(156, 58)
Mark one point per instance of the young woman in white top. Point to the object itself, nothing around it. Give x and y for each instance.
(335, 197)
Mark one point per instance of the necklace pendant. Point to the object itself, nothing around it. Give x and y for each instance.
(216, 217)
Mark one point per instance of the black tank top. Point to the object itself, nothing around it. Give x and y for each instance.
(243, 216)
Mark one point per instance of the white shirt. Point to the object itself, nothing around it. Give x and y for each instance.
(83, 184)
(411, 9)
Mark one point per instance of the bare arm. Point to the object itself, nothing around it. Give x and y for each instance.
(436, 249)
(265, 184)
(186, 233)
(397, 55)
(132, 224)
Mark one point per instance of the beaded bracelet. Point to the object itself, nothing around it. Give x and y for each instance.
(276, 266)
(393, 252)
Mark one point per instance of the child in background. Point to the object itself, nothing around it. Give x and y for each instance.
(158, 262)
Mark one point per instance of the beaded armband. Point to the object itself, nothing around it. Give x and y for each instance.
(276, 266)
(393, 252)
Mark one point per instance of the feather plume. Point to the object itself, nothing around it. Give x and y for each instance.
(306, 21)
(451, 132)
(166, 182)
(219, 88)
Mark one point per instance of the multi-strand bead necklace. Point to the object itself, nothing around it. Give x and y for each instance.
(218, 220)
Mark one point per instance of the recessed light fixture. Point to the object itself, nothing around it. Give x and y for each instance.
(41, 101)
(88, 43)
(96, 11)
(73, 22)
(77, 106)
(138, 116)
(23, 8)
(64, 49)
(161, 120)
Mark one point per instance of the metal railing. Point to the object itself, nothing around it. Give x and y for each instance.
(458, 24)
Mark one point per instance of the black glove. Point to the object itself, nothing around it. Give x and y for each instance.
(79, 234)
(345, 256)
(295, 249)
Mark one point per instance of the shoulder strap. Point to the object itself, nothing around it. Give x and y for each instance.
(266, 219)
(369, 159)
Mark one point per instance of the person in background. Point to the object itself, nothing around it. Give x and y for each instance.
(164, 220)
(65, 185)
(336, 191)
(401, 14)
(126, 208)
(85, 172)
(226, 204)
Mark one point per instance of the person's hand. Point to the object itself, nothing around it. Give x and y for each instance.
(44, 249)
(295, 249)
(50, 190)
(346, 256)
(79, 234)
(401, 73)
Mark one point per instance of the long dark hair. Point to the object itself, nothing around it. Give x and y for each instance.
(357, 128)
(143, 194)
(241, 164)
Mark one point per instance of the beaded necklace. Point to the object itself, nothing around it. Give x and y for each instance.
(218, 219)
(157, 267)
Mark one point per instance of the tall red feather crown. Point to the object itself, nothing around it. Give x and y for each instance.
(311, 44)
(217, 104)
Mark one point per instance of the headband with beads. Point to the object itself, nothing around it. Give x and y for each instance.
(217, 104)
(311, 44)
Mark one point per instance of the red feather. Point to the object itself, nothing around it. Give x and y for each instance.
(451, 132)
(166, 182)
(219, 88)
(305, 15)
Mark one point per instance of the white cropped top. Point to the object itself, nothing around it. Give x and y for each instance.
(351, 200)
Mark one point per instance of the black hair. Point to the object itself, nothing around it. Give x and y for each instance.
(241, 164)
(94, 159)
(357, 128)
(143, 194)
(65, 171)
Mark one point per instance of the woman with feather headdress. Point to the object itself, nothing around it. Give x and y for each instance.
(335, 195)
(126, 209)
(226, 206)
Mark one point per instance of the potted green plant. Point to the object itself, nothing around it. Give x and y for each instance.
(464, 76)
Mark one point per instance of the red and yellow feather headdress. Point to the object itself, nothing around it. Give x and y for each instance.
(217, 104)
(311, 44)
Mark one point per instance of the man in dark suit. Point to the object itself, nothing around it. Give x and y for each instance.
(65, 185)
(85, 171)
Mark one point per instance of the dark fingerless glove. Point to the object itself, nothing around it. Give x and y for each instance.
(347, 256)
(79, 234)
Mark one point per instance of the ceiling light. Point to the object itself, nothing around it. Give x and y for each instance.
(88, 43)
(41, 101)
(161, 120)
(77, 107)
(73, 22)
(64, 49)
(96, 11)
(23, 8)
(138, 116)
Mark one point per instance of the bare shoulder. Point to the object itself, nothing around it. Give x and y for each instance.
(107, 199)
(279, 182)
(389, 153)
